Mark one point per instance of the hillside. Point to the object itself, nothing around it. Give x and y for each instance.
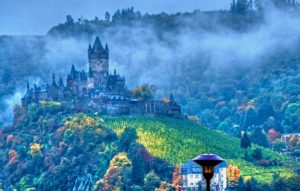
(44, 150)
(45, 147)
(179, 140)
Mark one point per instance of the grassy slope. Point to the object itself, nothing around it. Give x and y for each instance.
(180, 140)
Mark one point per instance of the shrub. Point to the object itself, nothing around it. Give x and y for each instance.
(151, 181)
(35, 150)
(257, 154)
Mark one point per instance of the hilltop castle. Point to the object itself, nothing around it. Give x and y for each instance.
(98, 90)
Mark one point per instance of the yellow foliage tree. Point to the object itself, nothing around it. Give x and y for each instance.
(35, 150)
(80, 122)
(116, 176)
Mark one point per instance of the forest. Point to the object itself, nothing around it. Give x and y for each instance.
(46, 149)
(235, 73)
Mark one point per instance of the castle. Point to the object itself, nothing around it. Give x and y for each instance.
(97, 90)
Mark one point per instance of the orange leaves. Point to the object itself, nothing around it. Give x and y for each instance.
(115, 176)
(12, 155)
(233, 175)
(9, 138)
(137, 89)
(176, 180)
(273, 134)
(144, 92)
(164, 186)
(166, 100)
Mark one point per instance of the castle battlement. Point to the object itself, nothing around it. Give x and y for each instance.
(97, 90)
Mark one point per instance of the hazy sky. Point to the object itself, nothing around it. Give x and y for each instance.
(23, 17)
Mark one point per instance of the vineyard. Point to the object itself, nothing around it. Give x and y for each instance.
(179, 140)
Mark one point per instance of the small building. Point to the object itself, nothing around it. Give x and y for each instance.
(192, 178)
(287, 137)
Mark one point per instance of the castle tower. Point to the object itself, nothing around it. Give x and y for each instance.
(99, 63)
(90, 81)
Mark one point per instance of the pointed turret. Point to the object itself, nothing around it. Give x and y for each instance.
(90, 48)
(27, 85)
(61, 82)
(97, 45)
(83, 75)
(106, 48)
(73, 72)
(171, 98)
(53, 80)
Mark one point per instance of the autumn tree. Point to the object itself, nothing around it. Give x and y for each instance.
(273, 135)
(144, 92)
(13, 156)
(176, 180)
(118, 176)
(233, 175)
(35, 150)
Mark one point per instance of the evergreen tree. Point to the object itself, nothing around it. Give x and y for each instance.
(257, 154)
(151, 181)
(233, 6)
(140, 158)
(69, 20)
(260, 137)
(250, 5)
(242, 7)
(129, 136)
(245, 143)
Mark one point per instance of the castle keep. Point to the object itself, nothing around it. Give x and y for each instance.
(97, 90)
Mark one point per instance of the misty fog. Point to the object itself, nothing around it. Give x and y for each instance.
(142, 57)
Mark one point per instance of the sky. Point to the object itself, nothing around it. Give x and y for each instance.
(36, 17)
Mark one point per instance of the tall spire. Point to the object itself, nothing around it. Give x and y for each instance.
(73, 71)
(27, 85)
(61, 82)
(171, 98)
(106, 47)
(53, 80)
(97, 45)
(90, 48)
